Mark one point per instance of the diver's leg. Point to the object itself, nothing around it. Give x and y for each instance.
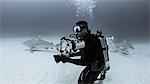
(83, 78)
(88, 77)
(93, 76)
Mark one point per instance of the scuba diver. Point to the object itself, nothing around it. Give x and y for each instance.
(91, 53)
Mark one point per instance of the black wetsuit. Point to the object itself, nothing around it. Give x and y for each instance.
(92, 53)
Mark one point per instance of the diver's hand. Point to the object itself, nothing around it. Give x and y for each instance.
(64, 58)
(57, 58)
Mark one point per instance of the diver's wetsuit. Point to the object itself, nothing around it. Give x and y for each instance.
(91, 57)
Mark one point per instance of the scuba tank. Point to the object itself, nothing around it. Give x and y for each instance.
(105, 49)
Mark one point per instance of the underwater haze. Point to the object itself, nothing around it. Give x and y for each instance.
(120, 18)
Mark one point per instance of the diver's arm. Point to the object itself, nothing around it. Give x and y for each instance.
(74, 54)
(65, 59)
(77, 62)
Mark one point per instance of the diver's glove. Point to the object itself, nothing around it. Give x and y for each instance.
(62, 58)
(65, 59)
(57, 58)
